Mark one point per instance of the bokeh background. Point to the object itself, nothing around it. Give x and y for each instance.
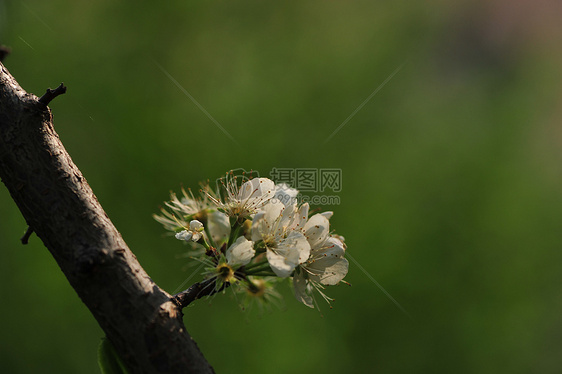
(451, 195)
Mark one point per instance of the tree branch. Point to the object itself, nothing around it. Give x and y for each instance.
(138, 317)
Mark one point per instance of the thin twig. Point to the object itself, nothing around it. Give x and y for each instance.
(51, 94)
(4, 51)
(25, 238)
(198, 290)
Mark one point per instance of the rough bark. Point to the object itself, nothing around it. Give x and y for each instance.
(138, 317)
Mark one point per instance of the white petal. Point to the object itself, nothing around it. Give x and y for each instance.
(219, 226)
(262, 188)
(317, 230)
(195, 225)
(241, 252)
(267, 187)
(328, 214)
(264, 222)
(341, 239)
(332, 246)
(285, 194)
(258, 225)
(329, 270)
(273, 211)
(300, 288)
(328, 266)
(300, 217)
(279, 264)
(298, 240)
(196, 236)
(290, 252)
(284, 222)
(184, 235)
(247, 190)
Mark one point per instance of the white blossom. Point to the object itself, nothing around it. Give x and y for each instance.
(180, 210)
(266, 223)
(246, 199)
(288, 253)
(252, 228)
(326, 265)
(193, 233)
(276, 220)
(286, 247)
(317, 229)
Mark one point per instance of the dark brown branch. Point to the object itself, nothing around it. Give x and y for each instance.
(138, 317)
(51, 94)
(25, 238)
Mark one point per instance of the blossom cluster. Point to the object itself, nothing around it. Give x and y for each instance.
(253, 233)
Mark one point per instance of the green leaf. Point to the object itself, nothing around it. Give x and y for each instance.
(108, 359)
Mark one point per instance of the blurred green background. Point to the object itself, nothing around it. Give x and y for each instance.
(451, 195)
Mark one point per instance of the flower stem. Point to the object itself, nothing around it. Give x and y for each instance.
(255, 264)
(256, 269)
(234, 231)
(264, 273)
(208, 232)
